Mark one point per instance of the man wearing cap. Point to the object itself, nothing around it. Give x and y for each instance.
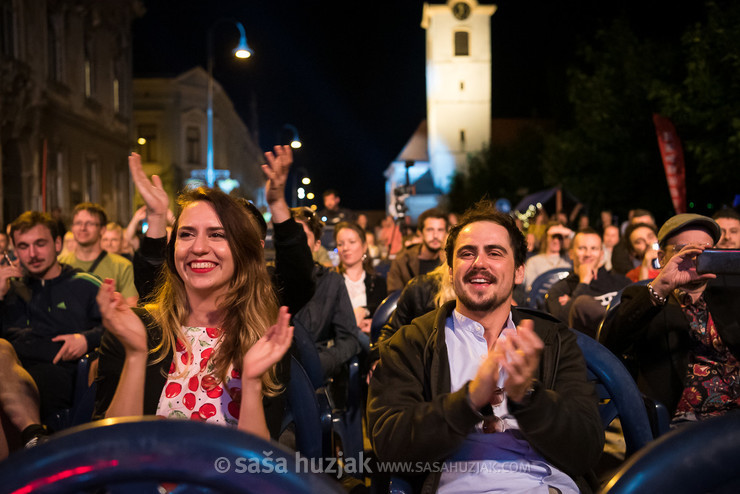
(682, 328)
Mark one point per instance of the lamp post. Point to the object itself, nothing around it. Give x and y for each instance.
(242, 51)
(298, 193)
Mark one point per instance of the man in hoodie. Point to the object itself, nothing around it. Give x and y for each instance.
(49, 320)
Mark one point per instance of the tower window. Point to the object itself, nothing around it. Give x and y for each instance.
(462, 140)
(462, 43)
(462, 85)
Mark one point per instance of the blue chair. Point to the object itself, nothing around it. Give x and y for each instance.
(130, 455)
(541, 285)
(618, 393)
(383, 314)
(83, 401)
(309, 410)
(700, 457)
(346, 422)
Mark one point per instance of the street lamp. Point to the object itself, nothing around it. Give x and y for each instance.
(295, 142)
(241, 51)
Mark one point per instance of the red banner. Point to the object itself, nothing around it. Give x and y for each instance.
(672, 154)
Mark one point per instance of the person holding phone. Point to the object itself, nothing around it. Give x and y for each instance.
(642, 239)
(681, 329)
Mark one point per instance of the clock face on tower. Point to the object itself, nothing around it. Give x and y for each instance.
(461, 10)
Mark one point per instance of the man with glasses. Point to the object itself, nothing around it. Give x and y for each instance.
(681, 330)
(88, 226)
(479, 395)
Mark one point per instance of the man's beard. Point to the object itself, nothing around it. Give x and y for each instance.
(433, 250)
(488, 304)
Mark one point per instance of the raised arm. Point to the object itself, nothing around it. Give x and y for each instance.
(276, 170)
(293, 274)
(155, 197)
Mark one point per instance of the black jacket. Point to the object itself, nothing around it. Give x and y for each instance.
(605, 283)
(417, 298)
(656, 341)
(330, 320)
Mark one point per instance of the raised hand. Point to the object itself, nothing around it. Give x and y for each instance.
(119, 319)
(520, 354)
(155, 197)
(276, 170)
(269, 349)
(8, 271)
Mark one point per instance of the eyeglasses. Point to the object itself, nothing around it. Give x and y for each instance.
(86, 224)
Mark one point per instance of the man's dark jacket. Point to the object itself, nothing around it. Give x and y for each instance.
(413, 416)
(34, 311)
(605, 282)
(655, 340)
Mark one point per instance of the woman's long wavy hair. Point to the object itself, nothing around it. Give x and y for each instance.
(249, 307)
(366, 261)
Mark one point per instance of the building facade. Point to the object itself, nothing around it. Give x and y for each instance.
(171, 129)
(65, 105)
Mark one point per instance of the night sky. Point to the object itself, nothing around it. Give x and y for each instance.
(350, 75)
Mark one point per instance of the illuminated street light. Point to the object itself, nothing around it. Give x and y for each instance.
(141, 141)
(306, 181)
(310, 196)
(242, 51)
(295, 141)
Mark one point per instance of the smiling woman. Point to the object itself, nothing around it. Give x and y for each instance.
(211, 340)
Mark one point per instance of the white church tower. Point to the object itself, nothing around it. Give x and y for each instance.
(458, 84)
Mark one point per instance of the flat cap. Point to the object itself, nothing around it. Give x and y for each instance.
(683, 221)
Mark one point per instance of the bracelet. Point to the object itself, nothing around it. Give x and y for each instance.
(654, 295)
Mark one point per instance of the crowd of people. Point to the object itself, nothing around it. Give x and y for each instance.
(189, 321)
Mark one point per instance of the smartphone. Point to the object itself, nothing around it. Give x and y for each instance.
(8, 258)
(144, 226)
(656, 263)
(718, 261)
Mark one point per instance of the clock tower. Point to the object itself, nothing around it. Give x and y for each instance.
(458, 78)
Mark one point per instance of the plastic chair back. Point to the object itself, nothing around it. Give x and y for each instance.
(135, 455)
(383, 313)
(308, 409)
(83, 401)
(699, 457)
(308, 356)
(618, 393)
(541, 285)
